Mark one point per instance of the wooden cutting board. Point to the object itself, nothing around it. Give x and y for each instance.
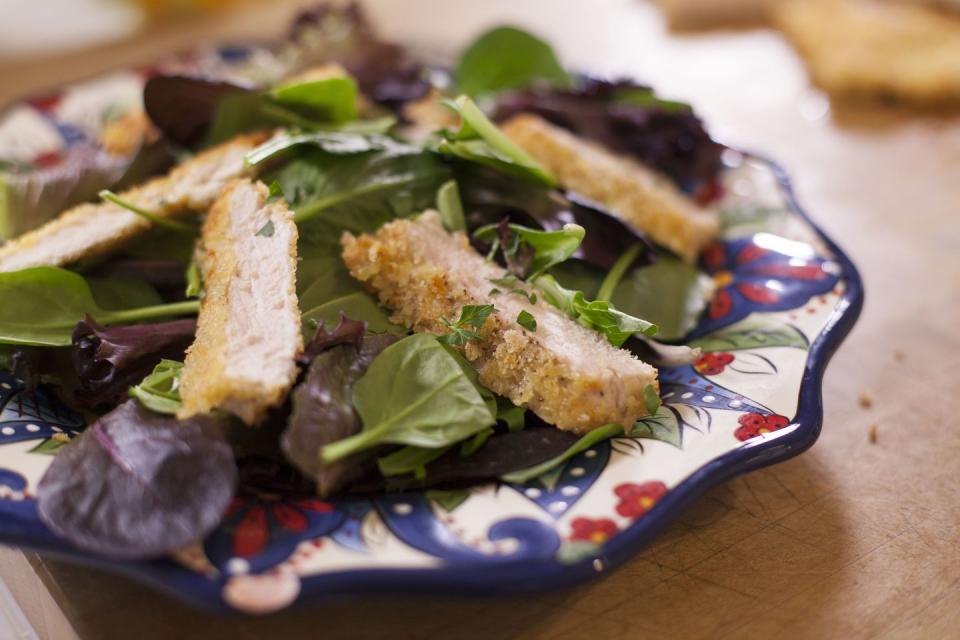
(852, 539)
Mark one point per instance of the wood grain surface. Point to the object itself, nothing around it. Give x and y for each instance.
(852, 539)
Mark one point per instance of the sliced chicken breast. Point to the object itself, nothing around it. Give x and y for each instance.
(633, 192)
(248, 328)
(93, 230)
(568, 375)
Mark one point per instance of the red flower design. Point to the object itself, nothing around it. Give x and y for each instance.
(757, 424)
(637, 499)
(252, 532)
(712, 364)
(596, 531)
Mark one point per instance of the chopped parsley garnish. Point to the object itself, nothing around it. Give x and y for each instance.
(266, 230)
(471, 315)
(526, 320)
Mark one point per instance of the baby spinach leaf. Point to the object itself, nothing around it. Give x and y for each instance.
(585, 442)
(479, 140)
(359, 192)
(546, 249)
(670, 293)
(450, 208)
(322, 404)
(507, 58)
(138, 485)
(598, 315)
(43, 304)
(108, 360)
(160, 391)
(116, 292)
(510, 414)
(414, 393)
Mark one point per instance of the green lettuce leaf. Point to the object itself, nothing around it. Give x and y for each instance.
(507, 58)
(414, 393)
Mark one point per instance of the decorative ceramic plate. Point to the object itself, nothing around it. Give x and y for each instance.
(785, 297)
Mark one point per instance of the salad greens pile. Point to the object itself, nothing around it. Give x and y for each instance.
(375, 408)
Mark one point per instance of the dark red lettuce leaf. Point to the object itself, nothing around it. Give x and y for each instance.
(183, 107)
(109, 360)
(385, 72)
(502, 453)
(138, 485)
(489, 196)
(665, 135)
(323, 404)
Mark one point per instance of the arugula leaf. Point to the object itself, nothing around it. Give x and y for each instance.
(194, 279)
(43, 304)
(471, 315)
(360, 306)
(414, 393)
(160, 391)
(479, 140)
(548, 248)
(333, 98)
(137, 485)
(507, 58)
(155, 218)
(585, 442)
(450, 207)
(526, 320)
(598, 315)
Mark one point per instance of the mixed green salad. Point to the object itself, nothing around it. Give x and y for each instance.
(110, 335)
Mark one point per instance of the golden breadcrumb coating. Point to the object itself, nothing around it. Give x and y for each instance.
(93, 230)
(248, 329)
(568, 375)
(636, 194)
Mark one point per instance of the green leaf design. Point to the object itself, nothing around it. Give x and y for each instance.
(448, 500)
(751, 333)
(663, 426)
(573, 552)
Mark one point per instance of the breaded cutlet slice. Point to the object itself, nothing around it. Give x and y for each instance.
(565, 373)
(92, 230)
(868, 49)
(634, 193)
(248, 328)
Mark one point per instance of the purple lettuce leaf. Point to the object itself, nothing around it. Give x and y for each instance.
(627, 118)
(323, 403)
(109, 360)
(488, 197)
(138, 485)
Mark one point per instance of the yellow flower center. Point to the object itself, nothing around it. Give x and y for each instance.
(646, 502)
(722, 278)
(598, 537)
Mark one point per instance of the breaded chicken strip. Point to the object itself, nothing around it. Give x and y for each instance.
(636, 194)
(568, 375)
(93, 230)
(248, 329)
